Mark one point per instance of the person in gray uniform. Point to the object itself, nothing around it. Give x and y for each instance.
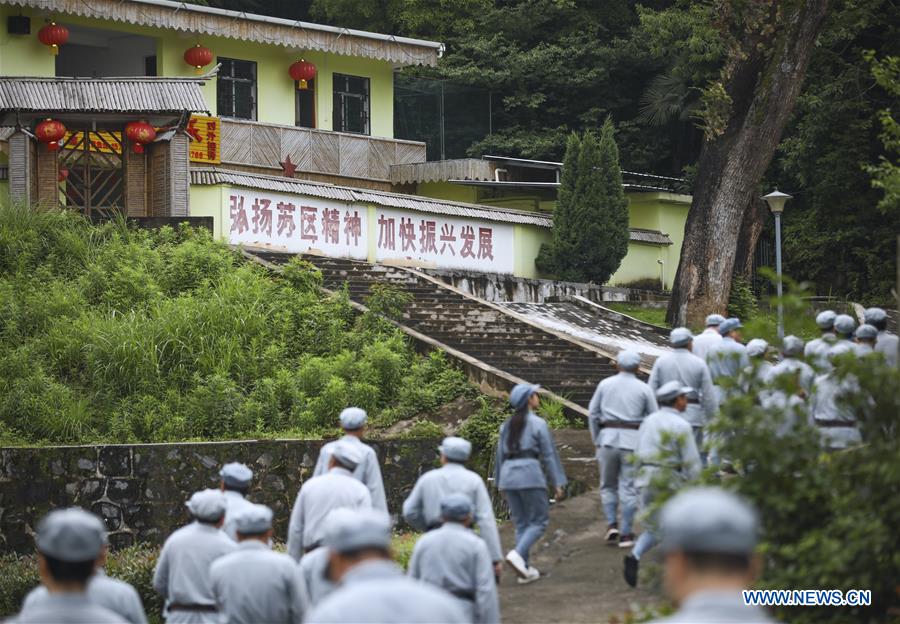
(816, 351)
(727, 359)
(422, 508)
(315, 566)
(759, 365)
(254, 584)
(236, 479)
(865, 335)
(353, 422)
(456, 560)
(887, 343)
(709, 536)
(373, 588)
(789, 385)
(844, 328)
(665, 443)
(708, 337)
(69, 544)
(830, 411)
(336, 488)
(687, 369)
(182, 571)
(113, 594)
(524, 441)
(615, 413)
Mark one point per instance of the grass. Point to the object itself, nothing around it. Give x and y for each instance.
(654, 316)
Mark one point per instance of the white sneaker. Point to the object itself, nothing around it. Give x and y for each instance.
(532, 576)
(515, 561)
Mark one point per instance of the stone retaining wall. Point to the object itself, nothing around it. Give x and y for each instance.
(140, 489)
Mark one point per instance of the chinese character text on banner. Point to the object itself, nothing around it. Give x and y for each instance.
(297, 224)
(206, 134)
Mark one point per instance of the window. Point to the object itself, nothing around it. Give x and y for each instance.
(236, 90)
(351, 104)
(150, 65)
(306, 106)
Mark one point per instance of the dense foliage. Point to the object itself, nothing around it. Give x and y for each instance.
(120, 334)
(590, 233)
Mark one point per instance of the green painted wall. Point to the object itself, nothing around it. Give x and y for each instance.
(527, 241)
(26, 56)
(450, 192)
(209, 201)
(23, 55)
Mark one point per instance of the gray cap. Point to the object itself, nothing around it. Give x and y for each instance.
(757, 347)
(708, 520)
(253, 519)
(348, 455)
(353, 418)
(207, 505)
(236, 474)
(825, 320)
(844, 324)
(874, 315)
(729, 325)
(714, 320)
(355, 529)
(71, 535)
(628, 360)
(670, 390)
(456, 449)
(456, 506)
(866, 332)
(680, 337)
(520, 394)
(792, 346)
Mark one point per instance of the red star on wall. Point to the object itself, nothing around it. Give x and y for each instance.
(288, 168)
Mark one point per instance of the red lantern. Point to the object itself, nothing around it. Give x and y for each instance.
(140, 133)
(53, 35)
(199, 57)
(302, 71)
(50, 132)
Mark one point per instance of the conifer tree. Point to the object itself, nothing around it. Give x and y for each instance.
(590, 224)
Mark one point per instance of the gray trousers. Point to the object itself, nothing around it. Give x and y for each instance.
(617, 487)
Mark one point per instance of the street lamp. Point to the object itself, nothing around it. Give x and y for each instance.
(776, 200)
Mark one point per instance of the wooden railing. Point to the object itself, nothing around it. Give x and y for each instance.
(256, 144)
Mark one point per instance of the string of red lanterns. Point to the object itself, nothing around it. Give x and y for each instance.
(53, 35)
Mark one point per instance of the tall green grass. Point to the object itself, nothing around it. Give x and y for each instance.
(109, 333)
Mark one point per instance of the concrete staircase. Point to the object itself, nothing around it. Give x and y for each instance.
(483, 331)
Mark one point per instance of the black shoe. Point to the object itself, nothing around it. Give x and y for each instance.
(631, 570)
(612, 535)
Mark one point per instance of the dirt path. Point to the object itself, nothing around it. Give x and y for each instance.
(581, 576)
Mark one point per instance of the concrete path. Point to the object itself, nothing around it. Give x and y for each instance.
(581, 576)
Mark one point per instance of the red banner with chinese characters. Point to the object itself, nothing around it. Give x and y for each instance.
(206, 135)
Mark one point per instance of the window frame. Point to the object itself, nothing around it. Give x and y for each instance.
(311, 90)
(229, 81)
(341, 93)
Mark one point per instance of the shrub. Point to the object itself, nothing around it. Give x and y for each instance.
(423, 430)
(741, 302)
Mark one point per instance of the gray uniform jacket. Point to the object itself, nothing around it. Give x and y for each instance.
(314, 575)
(67, 608)
(254, 584)
(716, 607)
(622, 397)
(378, 591)
(368, 471)
(236, 502)
(182, 571)
(113, 594)
(422, 509)
(666, 439)
(456, 560)
(704, 341)
(792, 366)
(333, 490)
(816, 351)
(689, 370)
(727, 358)
(887, 345)
(524, 472)
(827, 404)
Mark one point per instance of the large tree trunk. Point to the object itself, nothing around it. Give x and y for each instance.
(762, 78)
(751, 227)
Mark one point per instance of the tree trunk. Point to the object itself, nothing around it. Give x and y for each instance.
(751, 227)
(762, 78)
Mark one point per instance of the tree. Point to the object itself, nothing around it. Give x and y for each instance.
(590, 231)
(769, 45)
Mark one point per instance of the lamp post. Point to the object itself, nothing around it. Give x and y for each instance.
(776, 200)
